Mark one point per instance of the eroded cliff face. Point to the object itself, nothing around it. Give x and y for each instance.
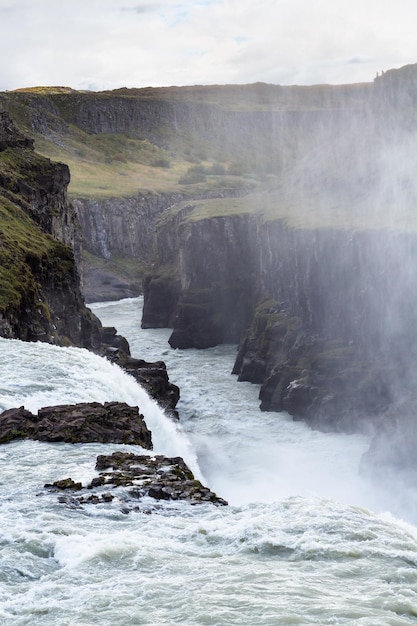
(333, 342)
(201, 285)
(257, 129)
(120, 231)
(325, 317)
(40, 291)
(320, 286)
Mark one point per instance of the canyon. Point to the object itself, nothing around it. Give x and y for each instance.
(281, 219)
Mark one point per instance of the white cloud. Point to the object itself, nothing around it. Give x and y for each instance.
(111, 43)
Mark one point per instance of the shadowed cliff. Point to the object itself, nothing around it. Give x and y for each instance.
(316, 275)
(40, 296)
(282, 218)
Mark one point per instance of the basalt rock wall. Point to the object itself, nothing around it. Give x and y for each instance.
(324, 318)
(40, 296)
(123, 228)
(203, 283)
(332, 340)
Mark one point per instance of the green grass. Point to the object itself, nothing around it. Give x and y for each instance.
(21, 243)
(126, 164)
(308, 212)
(106, 165)
(110, 166)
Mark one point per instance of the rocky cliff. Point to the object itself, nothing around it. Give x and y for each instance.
(120, 231)
(315, 278)
(325, 317)
(40, 292)
(133, 153)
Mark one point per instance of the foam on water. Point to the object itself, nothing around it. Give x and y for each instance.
(38, 375)
(301, 543)
(246, 455)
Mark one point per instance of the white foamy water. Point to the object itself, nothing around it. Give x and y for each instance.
(305, 540)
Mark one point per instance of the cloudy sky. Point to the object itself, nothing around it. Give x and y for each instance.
(105, 44)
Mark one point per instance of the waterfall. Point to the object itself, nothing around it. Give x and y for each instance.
(38, 375)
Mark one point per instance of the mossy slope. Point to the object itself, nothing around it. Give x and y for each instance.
(40, 296)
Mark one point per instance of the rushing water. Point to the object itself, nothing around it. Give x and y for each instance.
(305, 539)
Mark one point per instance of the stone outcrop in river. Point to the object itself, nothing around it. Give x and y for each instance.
(88, 422)
(152, 376)
(129, 477)
(130, 480)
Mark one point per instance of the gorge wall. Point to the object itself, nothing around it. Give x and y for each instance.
(254, 131)
(319, 290)
(314, 277)
(40, 296)
(123, 229)
(325, 319)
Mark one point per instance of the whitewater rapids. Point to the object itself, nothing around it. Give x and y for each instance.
(305, 539)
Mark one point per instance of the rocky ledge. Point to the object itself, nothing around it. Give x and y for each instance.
(152, 376)
(130, 477)
(126, 479)
(112, 422)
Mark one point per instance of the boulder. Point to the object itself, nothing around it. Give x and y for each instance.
(111, 422)
(131, 478)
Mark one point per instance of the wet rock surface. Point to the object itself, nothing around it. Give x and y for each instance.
(328, 383)
(152, 376)
(128, 480)
(111, 422)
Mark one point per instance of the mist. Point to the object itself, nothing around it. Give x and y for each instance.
(352, 184)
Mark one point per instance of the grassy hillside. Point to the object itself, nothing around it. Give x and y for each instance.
(105, 165)
(23, 245)
(332, 156)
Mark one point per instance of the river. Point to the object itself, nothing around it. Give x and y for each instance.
(305, 539)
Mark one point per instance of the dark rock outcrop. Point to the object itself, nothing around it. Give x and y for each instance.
(332, 339)
(335, 345)
(161, 295)
(131, 478)
(40, 295)
(111, 422)
(11, 136)
(201, 285)
(153, 377)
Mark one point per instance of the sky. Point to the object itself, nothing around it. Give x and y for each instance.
(106, 44)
